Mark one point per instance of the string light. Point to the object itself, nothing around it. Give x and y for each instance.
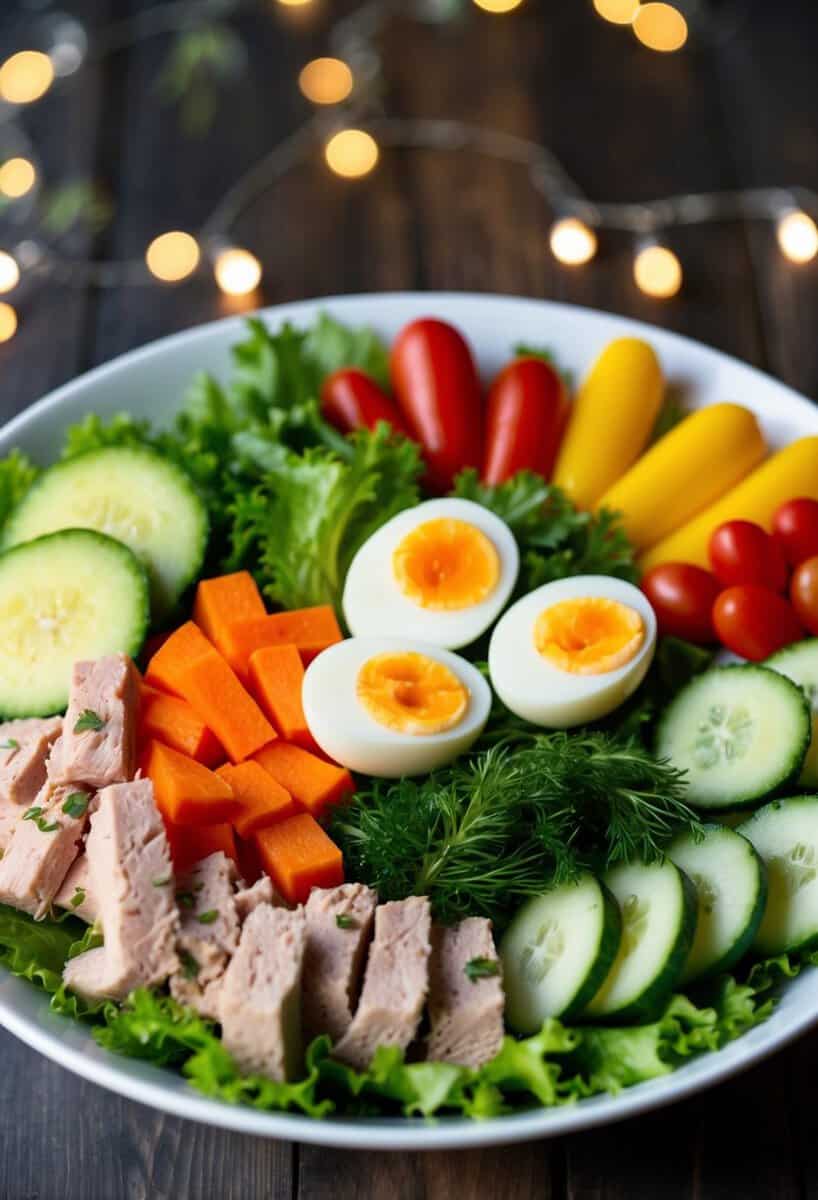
(618, 12)
(173, 256)
(572, 241)
(498, 6)
(17, 176)
(8, 322)
(26, 77)
(351, 153)
(237, 271)
(9, 272)
(326, 81)
(294, 3)
(797, 236)
(660, 27)
(657, 271)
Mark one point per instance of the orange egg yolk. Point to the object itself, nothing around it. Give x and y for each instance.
(589, 635)
(411, 693)
(446, 564)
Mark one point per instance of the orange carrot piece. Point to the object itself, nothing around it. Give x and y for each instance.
(191, 667)
(275, 677)
(185, 791)
(172, 721)
(298, 856)
(261, 800)
(191, 843)
(310, 630)
(310, 780)
(221, 602)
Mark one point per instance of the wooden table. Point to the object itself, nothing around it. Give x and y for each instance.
(628, 124)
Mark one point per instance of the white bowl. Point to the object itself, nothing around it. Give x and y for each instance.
(150, 383)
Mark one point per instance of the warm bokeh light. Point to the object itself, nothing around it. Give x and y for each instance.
(797, 236)
(620, 12)
(8, 322)
(172, 256)
(351, 153)
(498, 6)
(657, 272)
(25, 77)
(660, 27)
(572, 242)
(237, 271)
(17, 176)
(294, 3)
(9, 272)
(326, 81)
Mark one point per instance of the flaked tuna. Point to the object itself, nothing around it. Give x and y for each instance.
(339, 929)
(395, 983)
(465, 1008)
(132, 879)
(24, 748)
(76, 893)
(45, 839)
(98, 741)
(208, 931)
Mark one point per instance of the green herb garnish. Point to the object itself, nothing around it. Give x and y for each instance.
(10, 744)
(31, 814)
(89, 720)
(481, 968)
(35, 814)
(161, 881)
(76, 805)
(78, 898)
(184, 899)
(190, 968)
(345, 921)
(207, 918)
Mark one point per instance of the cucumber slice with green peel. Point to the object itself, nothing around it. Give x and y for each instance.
(658, 906)
(740, 733)
(785, 834)
(67, 596)
(799, 663)
(731, 887)
(557, 951)
(131, 494)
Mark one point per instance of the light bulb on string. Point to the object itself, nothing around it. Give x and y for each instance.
(657, 271)
(8, 322)
(660, 27)
(351, 153)
(237, 271)
(17, 177)
(9, 272)
(173, 256)
(326, 81)
(25, 77)
(572, 241)
(797, 236)
(618, 12)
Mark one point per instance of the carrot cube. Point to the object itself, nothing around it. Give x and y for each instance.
(185, 791)
(310, 780)
(221, 602)
(310, 630)
(298, 856)
(171, 720)
(275, 678)
(261, 801)
(189, 844)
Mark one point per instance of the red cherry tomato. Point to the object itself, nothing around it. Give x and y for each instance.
(755, 621)
(438, 393)
(525, 420)
(350, 399)
(682, 596)
(741, 552)
(795, 529)
(804, 593)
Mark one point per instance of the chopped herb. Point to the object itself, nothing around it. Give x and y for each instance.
(344, 921)
(197, 887)
(481, 968)
(190, 968)
(31, 814)
(76, 805)
(161, 881)
(207, 918)
(78, 898)
(89, 720)
(10, 744)
(35, 814)
(184, 899)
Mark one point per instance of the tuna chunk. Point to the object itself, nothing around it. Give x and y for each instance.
(76, 893)
(465, 1015)
(339, 929)
(132, 878)
(98, 742)
(44, 842)
(208, 933)
(24, 748)
(395, 984)
(260, 1002)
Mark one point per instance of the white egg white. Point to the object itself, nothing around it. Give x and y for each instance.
(346, 732)
(539, 692)
(374, 604)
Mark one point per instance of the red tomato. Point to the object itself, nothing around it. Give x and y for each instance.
(755, 621)
(438, 392)
(741, 552)
(350, 399)
(682, 596)
(804, 593)
(795, 529)
(525, 420)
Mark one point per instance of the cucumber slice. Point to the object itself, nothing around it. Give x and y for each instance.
(70, 595)
(731, 886)
(557, 951)
(799, 663)
(131, 494)
(785, 834)
(658, 906)
(740, 733)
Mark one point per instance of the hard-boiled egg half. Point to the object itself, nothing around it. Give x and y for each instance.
(392, 706)
(573, 650)
(442, 571)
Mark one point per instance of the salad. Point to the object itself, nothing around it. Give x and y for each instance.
(369, 745)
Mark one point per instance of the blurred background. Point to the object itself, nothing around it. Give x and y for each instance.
(125, 120)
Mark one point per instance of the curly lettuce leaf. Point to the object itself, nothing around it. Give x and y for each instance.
(17, 473)
(38, 951)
